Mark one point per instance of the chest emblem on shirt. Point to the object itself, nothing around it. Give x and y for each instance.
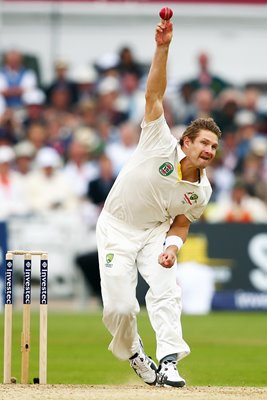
(190, 198)
(166, 169)
(109, 258)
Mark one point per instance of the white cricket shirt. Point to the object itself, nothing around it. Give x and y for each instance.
(149, 189)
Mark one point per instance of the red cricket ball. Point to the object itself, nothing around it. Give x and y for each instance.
(166, 13)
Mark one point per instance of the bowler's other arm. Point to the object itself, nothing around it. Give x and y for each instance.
(180, 229)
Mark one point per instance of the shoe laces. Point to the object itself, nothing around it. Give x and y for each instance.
(166, 365)
(163, 370)
(142, 362)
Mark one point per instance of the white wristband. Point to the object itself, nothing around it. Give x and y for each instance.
(173, 241)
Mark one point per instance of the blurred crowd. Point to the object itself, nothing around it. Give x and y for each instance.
(63, 144)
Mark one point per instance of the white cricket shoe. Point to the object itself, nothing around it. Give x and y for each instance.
(168, 375)
(145, 367)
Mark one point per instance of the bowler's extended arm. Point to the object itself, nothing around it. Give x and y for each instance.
(157, 77)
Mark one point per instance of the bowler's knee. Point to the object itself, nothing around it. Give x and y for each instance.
(123, 309)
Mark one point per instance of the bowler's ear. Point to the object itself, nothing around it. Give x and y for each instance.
(187, 142)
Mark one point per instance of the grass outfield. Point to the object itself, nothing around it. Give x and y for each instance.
(228, 349)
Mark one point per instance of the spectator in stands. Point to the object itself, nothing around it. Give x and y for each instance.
(228, 104)
(34, 103)
(203, 102)
(99, 188)
(85, 78)
(107, 132)
(181, 103)
(61, 120)
(59, 130)
(87, 113)
(60, 99)
(251, 101)
(24, 153)
(133, 96)
(5, 138)
(13, 200)
(37, 135)
(2, 105)
(128, 64)
(15, 79)
(47, 187)
(229, 150)
(255, 168)
(246, 131)
(107, 65)
(240, 206)
(10, 126)
(61, 84)
(119, 152)
(90, 139)
(80, 169)
(221, 178)
(205, 78)
(109, 103)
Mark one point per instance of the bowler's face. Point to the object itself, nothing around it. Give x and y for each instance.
(202, 151)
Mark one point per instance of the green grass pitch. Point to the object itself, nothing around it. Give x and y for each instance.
(227, 349)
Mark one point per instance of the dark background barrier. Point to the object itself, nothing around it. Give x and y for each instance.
(238, 249)
(243, 244)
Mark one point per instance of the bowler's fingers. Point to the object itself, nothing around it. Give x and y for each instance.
(168, 26)
(166, 260)
(160, 28)
(163, 25)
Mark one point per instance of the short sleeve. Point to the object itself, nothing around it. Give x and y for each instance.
(156, 135)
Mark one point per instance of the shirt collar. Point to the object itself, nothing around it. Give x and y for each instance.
(181, 155)
(180, 152)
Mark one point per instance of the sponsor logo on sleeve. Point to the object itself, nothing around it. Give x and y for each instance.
(190, 198)
(166, 169)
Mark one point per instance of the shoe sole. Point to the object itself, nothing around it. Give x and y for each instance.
(167, 383)
(152, 383)
(174, 384)
(155, 368)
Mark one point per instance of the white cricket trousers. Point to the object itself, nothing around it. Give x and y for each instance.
(123, 251)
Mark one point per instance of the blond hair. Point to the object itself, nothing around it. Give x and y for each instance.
(207, 124)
